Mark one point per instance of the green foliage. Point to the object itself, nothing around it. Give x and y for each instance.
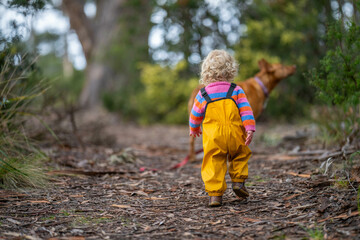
(338, 77)
(64, 89)
(286, 32)
(128, 48)
(26, 7)
(19, 84)
(22, 170)
(315, 233)
(338, 124)
(280, 31)
(337, 81)
(189, 24)
(165, 94)
(162, 98)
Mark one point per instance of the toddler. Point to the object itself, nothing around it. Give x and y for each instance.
(228, 125)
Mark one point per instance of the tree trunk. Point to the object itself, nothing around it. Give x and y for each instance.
(99, 36)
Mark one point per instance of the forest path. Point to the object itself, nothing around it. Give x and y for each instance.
(99, 192)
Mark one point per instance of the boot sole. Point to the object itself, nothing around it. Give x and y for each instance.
(241, 193)
(215, 204)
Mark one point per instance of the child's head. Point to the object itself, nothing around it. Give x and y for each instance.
(218, 66)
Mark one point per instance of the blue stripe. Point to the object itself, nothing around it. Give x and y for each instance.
(217, 95)
(238, 92)
(247, 117)
(200, 98)
(223, 94)
(194, 125)
(196, 114)
(244, 104)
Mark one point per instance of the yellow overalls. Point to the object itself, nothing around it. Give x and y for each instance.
(223, 138)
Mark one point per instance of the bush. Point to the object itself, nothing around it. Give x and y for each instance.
(162, 98)
(337, 80)
(19, 157)
(165, 95)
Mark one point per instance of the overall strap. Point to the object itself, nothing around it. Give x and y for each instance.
(205, 95)
(231, 89)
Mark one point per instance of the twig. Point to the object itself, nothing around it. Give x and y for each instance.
(88, 173)
(343, 216)
(348, 177)
(306, 206)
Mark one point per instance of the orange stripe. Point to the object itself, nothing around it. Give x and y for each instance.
(198, 104)
(246, 108)
(194, 129)
(196, 118)
(240, 95)
(249, 122)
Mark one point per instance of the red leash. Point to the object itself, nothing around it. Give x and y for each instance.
(176, 166)
(186, 159)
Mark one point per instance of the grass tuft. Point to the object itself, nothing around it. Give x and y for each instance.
(20, 159)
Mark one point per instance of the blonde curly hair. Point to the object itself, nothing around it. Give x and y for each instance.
(219, 65)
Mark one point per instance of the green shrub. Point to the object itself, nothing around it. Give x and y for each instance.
(64, 90)
(165, 95)
(337, 80)
(19, 86)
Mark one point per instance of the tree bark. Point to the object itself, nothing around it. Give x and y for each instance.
(81, 24)
(98, 35)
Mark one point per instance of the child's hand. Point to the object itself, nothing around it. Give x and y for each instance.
(249, 136)
(197, 134)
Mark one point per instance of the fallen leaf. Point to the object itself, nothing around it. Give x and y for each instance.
(234, 211)
(20, 235)
(187, 219)
(121, 206)
(157, 198)
(299, 175)
(217, 222)
(76, 196)
(13, 221)
(292, 196)
(250, 219)
(344, 216)
(40, 201)
(147, 228)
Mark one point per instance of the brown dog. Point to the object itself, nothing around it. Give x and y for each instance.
(257, 89)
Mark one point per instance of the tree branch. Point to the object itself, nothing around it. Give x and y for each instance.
(81, 24)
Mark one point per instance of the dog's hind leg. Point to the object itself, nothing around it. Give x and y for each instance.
(192, 155)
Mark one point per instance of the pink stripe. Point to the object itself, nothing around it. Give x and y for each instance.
(194, 121)
(250, 128)
(244, 113)
(241, 100)
(217, 87)
(196, 109)
(237, 88)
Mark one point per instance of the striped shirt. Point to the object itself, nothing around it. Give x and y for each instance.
(219, 90)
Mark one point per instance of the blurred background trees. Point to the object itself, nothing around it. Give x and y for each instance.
(114, 40)
(142, 58)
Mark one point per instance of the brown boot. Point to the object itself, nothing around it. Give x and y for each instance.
(240, 189)
(215, 201)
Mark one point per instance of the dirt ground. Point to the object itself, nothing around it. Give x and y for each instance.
(113, 181)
